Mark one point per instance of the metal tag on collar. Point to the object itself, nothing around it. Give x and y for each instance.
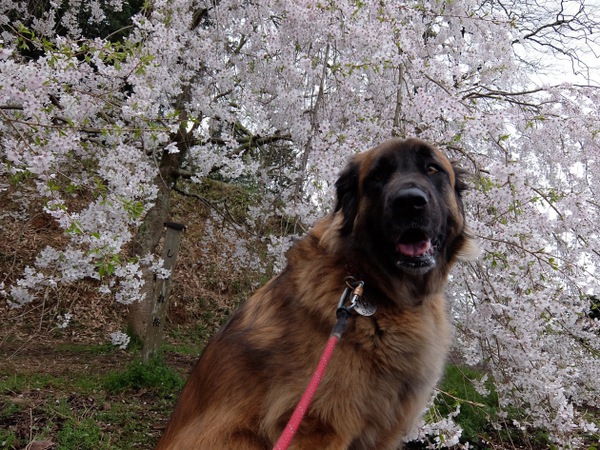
(363, 306)
(358, 302)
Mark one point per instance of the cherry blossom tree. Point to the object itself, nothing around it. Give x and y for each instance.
(279, 94)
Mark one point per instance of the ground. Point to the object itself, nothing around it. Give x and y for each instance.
(76, 395)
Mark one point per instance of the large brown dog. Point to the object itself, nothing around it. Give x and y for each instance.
(398, 226)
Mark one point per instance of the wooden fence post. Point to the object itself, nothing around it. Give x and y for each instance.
(160, 295)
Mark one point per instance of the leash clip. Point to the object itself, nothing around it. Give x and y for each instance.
(358, 301)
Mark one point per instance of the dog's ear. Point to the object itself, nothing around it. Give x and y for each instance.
(468, 249)
(347, 196)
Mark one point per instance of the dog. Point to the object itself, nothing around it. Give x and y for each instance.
(398, 226)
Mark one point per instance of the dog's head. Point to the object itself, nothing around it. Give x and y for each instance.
(401, 204)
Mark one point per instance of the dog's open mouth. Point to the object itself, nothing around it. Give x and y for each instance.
(415, 250)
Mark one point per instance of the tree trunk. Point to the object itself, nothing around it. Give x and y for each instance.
(145, 242)
(160, 298)
(150, 231)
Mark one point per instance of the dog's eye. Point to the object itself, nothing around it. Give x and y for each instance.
(432, 169)
(379, 175)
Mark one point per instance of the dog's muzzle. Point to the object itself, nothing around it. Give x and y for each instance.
(416, 246)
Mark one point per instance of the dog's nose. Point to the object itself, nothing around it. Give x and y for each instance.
(410, 199)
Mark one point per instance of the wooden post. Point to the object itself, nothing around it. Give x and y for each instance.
(162, 288)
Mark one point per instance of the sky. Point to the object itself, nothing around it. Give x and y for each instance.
(560, 68)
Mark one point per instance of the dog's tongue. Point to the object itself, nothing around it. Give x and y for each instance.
(414, 249)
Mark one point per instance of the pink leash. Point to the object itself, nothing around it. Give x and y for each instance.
(292, 426)
(343, 312)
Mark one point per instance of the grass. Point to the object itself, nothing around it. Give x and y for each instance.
(81, 434)
(117, 410)
(18, 382)
(154, 376)
(476, 410)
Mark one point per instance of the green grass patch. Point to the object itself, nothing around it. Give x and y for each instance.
(8, 439)
(18, 383)
(80, 434)
(155, 376)
(189, 349)
(88, 411)
(9, 409)
(476, 410)
(480, 411)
